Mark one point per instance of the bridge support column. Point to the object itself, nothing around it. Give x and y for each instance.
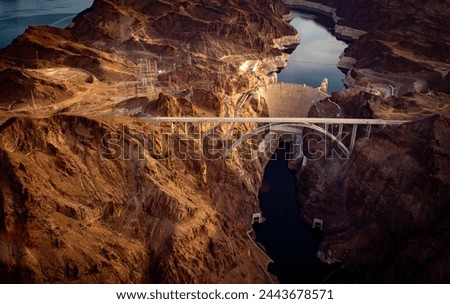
(369, 130)
(341, 129)
(304, 161)
(298, 146)
(353, 140)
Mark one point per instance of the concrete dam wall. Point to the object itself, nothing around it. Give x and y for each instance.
(290, 99)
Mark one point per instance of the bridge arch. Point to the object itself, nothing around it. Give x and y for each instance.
(270, 126)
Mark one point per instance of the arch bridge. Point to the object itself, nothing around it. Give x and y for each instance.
(332, 128)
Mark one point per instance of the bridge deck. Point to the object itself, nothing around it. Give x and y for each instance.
(309, 120)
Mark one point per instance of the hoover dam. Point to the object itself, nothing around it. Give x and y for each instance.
(136, 145)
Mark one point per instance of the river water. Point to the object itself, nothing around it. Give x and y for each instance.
(316, 56)
(17, 15)
(288, 240)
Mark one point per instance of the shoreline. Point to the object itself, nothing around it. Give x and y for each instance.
(342, 32)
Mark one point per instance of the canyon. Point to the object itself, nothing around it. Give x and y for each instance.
(90, 193)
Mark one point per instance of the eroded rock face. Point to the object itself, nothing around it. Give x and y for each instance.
(213, 28)
(389, 196)
(90, 194)
(72, 212)
(383, 204)
(216, 28)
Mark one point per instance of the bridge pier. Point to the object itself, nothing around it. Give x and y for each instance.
(304, 162)
(368, 130)
(353, 139)
(353, 135)
(298, 146)
(272, 126)
(341, 129)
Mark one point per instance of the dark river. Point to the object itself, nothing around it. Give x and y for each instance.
(289, 241)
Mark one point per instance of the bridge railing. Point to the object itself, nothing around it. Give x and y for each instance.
(310, 120)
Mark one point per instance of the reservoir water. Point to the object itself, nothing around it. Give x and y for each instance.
(316, 56)
(17, 15)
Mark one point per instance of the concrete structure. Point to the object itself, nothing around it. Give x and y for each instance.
(292, 125)
(257, 218)
(249, 66)
(288, 106)
(290, 99)
(317, 223)
(269, 120)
